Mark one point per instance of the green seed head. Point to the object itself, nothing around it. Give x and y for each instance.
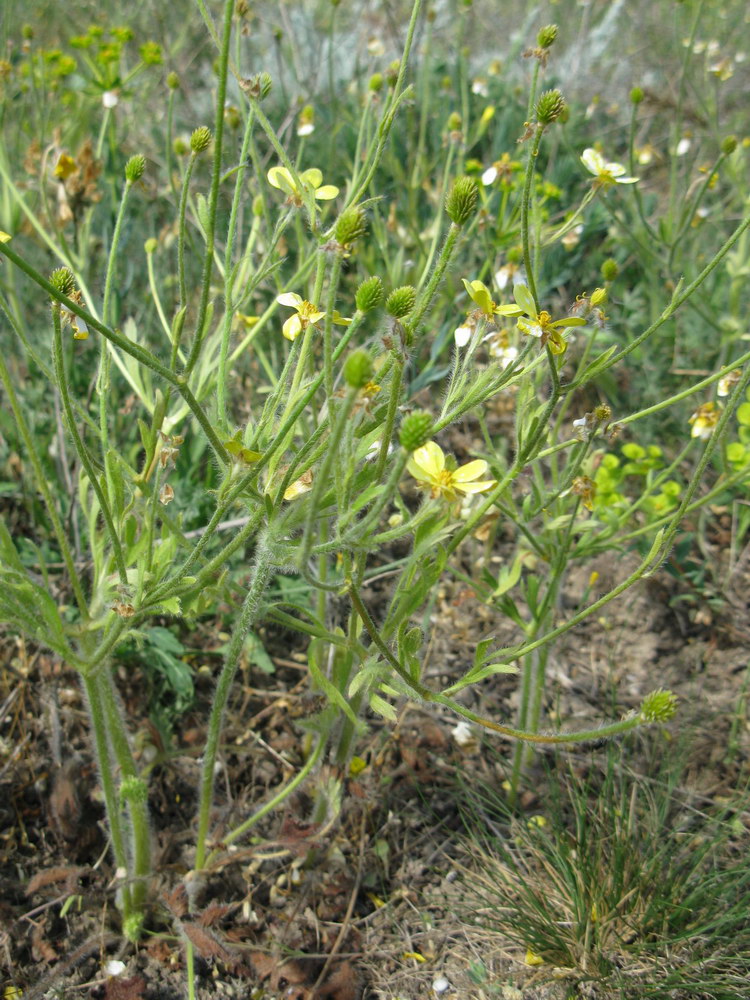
(461, 202)
(63, 280)
(546, 36)
(636, 95)
(659, 706)
(150, 245)
(416, 430)
(200, 140)
(549, 107)
(401, 301)
(609, 269)
(133, 789)
(358, 369)
(173, 80)
(376, 82)
(132, 926)
(351, 226)
(134, 168)
(369, 294)
(454, 121)
(729, 144)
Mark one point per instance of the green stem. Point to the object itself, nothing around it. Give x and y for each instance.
(92, 687)
(250, 609)
(128, 346)
(81, 450)
(43, 487)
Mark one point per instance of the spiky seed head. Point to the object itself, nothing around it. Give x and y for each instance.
(549, 107)
(546, 36)
(636, 95)
(358, 368)
(369, 294)
(173, 80)
(376, 82)
(132, 926)
(133, 789)
(729, 144)
(401, 301)
(659, 706)
(603, 413)
(351, 225)
(134, 168)
(63, 280)
(416, 430)
(461, 202)
(609, 269)
(200, 140)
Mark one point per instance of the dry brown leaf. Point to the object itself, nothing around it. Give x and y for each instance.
(51, 876)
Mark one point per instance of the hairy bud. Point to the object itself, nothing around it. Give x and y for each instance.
(416, 430)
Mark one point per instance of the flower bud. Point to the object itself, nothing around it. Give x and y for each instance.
(173, 80)
(63, 280)
(150, 245)
(401, 301)
(351, 226)
(636, 95)
(376, 82)
(200, 140)
(416, 430)
(258, 86)
(454, 121)
(391, 73)
(133, 789)
(549, 107)
(546, 36)
(358, 369)
(461, 202)
(729, 144)
(369, 294)
(598, 296)
(134, 168)
(659, 706)
(609, 269)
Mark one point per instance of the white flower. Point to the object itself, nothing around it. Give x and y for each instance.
(682, 147)
(462, 335)
(489, 176)
(110, 99)
(605, 173)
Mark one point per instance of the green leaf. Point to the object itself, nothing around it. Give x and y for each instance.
(257, 655)
(382, 707)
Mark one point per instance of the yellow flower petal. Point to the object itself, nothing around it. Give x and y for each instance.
(327, 192)
(291, 329)
(312, 176)
(474, 487)
(290, 299)
(279, 177)
(429, 459)
(470, 471)
(4, 237)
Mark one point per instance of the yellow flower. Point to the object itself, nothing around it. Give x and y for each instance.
(305, 314)
(705, 418)
(4, 237)
(312, 179)
(606, 174)
(429, 468)
(540, 324)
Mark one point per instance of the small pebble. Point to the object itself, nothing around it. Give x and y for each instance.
(440, 985)
(114, 967)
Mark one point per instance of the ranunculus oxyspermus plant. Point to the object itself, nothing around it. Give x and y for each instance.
(323, 471)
